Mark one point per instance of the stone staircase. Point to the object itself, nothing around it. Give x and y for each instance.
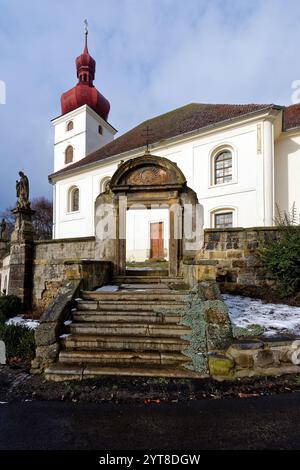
(127, 328)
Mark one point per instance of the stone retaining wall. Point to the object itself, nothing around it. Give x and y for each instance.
(57, 261)
(231, 256)
(257, 357)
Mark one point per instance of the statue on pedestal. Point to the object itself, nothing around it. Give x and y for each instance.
(22, 189)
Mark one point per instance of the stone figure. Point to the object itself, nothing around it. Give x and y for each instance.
(3, 230)
(22, 188)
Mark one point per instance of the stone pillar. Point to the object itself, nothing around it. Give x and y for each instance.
(268, 169)
(21, 257)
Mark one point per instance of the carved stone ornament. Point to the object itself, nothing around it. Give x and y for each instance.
(149, 175)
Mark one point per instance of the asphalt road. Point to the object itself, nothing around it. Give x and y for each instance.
(271, 422)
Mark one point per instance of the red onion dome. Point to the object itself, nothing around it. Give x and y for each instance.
(85, 92)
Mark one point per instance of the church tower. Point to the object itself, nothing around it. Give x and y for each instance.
(82, 126)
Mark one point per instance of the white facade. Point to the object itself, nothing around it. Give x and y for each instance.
(88, 132)
(265, 172)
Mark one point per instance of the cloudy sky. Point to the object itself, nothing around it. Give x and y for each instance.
(152, 56)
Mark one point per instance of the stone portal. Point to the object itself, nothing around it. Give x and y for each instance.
(149, 182)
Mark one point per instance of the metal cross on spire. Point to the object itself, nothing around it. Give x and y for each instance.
(86, 26)
(147, 132)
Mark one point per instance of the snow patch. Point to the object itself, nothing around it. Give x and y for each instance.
(275, 319)
(108, 288)
(19, 320)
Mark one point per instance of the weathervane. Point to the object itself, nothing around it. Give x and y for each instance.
(147, 133)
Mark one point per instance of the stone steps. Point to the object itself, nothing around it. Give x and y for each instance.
(138, 296)
(61, 372)
(133, 329)
(126, 343)
(125, 358)
(147, 272)
(148, 279)
(151, 306)
(127, 317)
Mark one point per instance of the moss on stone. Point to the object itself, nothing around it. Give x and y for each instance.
(251, 330)
(220, 366)
(192, 316)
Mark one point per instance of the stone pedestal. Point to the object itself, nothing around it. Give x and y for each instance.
(3, 248)
(21, 257)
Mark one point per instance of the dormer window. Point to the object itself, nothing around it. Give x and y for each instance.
(70, 126)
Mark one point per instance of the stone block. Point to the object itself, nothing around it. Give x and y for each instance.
(239, 263)
(205, 273)
(264, 358)
(234, 254)
(216, 254)
(46, 334)
(218, 325)
(245, 345)
(220, 365)
(209, 290)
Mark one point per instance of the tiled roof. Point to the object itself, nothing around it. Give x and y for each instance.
(179, 121)
(291, 117)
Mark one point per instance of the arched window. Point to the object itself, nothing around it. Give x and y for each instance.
(104, 184)
(223, 167)
(70, 126)
(100, 129)
(223, 218)
(69, 154)
(73, 202)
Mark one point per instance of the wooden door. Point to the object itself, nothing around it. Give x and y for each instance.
(156, 240)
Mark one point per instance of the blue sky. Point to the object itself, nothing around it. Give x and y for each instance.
(152, 56)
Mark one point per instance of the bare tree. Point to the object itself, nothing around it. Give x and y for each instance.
(42, 220)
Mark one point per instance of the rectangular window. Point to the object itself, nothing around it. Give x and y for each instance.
(223, 220)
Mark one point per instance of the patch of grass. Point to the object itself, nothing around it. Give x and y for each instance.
(19, 341)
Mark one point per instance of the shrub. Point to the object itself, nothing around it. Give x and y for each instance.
(2, 318)
(10, 305)
(19, 341)
(281, 256)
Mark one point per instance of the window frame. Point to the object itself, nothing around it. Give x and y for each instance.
(214, 153)
(68, 124)
(220, 157)
(222, 214)
(66, 150)
(223, 209)
(70, 206)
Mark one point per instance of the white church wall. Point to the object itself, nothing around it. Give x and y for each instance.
(244, 195)
(80, 223)
(287, 172)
